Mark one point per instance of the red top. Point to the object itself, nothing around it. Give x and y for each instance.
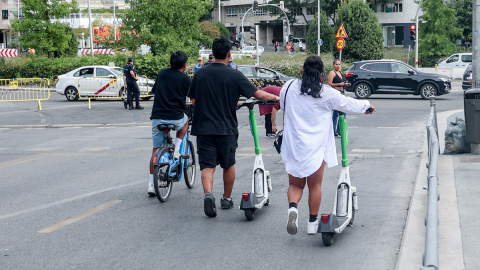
(266, 109)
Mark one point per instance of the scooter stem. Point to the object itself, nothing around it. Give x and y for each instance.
(253, 127)
(344, 139)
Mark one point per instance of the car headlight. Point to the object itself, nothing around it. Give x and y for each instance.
(444, 79)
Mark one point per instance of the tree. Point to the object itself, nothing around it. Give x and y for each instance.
(463, 9)
(326, 33)
(166, 25)
(210, 32)
(365, 36)
(437, 32)
(223, 30)
(39, 33)
(293, 8)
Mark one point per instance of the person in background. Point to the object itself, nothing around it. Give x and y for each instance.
(277, 47)
(130, 77)
(308, 142)
(337, 80)
(199, 65)
(232, 64)
(214, 92)
(211, 59)
(270, 111)
(170, 90)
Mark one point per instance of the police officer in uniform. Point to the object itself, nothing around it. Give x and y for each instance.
(131, 78)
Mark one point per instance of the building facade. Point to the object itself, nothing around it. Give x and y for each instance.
(395, 19)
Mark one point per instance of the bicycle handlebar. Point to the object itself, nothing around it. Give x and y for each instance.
(251, 102)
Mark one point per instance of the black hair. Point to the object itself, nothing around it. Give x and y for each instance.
(130, 59)
(334, 61)
(178, 59)
(220, 48)
(312, 77)
(210, 56)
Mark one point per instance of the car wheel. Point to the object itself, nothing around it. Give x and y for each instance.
(428, 90)
(71, 93)
(362, 90)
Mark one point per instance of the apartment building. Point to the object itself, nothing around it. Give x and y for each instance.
(395, 19)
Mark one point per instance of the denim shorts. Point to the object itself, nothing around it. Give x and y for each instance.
(158, 136)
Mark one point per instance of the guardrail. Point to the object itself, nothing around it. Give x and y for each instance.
(108, 87)
(430, 256)
(25, 89)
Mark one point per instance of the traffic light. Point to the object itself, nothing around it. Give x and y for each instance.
(232, 36)
(255, 5)
(254, 33)
(412, 32)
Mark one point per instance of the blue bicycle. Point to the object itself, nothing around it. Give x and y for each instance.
(168, 169)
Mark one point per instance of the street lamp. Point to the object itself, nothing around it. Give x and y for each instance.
(318, 32)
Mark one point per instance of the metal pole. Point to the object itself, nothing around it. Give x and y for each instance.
(340, 56)
(318, 33)
(476, 42)
(219, 12)
(408, 55)
(416, 33)
(114, 22)
(257, 29)
(90, 26)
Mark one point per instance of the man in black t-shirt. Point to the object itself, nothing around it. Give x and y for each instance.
(130, 77)
(170, 89)
(215, 91)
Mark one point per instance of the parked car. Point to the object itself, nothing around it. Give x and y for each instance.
(466, 84)
(252, 51)
(296, 42)
(263, 76)
(458, 60)
(98, 81)
(394, 77)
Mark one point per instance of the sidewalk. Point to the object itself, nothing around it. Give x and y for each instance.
(457, 209)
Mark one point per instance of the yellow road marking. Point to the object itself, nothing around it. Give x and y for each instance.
(367, 150)
(96, 149)
(16, 162)
(42, 149)
(79, 217)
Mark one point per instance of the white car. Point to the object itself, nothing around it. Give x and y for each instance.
(204, 53)
(458, 60)
(252, 51)
(98, 81)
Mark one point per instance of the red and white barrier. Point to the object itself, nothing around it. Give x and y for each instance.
(8, 52)
(84, 52)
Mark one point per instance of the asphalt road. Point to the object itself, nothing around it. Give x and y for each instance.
(73, 185)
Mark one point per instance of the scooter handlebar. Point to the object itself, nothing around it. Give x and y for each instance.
(251, 102)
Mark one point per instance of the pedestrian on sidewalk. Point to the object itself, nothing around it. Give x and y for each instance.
(270, 111)
(336, 79)
(308, 142)
(214, 92)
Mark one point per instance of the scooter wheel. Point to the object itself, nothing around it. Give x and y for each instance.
(327, 238)
(250, 214)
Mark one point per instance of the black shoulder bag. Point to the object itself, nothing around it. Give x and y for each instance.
(279, 137)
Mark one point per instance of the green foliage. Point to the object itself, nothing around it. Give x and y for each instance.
(365, 36)
(293, 8)
(166, 25)
(326, 33)
(223, 30)
(43, 67)
(463, 9)
(39, 32)
(210, 32)
(437, 32)
(330, 8)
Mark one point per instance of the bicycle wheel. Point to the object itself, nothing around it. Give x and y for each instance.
(161, 182)
(190, 169)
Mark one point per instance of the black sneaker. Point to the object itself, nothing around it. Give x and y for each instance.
(125, 104)
(209, 205)
(226, 203)
(139, 108)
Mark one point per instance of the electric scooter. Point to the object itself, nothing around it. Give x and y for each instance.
(261, 181)
(346, 202)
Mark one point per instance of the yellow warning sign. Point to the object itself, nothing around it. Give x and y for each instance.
(340, 44)
(341, 33)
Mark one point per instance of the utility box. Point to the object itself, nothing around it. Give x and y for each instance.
(472, 115)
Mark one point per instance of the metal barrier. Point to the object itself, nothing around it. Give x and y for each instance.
(25, 89)
(109, 87)
(430, 256)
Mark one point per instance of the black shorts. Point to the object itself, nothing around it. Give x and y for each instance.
(216, 149)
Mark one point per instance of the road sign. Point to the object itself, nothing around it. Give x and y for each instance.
(320, 42)
(340, 43)
(341, 33)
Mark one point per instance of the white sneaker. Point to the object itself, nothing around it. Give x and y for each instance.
(176, 153)
(292, 224)
(151, 190)
(312, 227)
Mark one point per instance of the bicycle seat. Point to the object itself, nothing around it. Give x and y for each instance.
(166, 127)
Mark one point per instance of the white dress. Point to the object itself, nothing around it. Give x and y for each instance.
(308, 129)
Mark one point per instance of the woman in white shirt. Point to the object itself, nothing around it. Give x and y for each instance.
(308, 141)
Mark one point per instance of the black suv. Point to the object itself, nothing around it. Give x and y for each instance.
(394, 77)
(466, 75)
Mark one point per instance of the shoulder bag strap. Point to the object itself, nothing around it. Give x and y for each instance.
(284, 103)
